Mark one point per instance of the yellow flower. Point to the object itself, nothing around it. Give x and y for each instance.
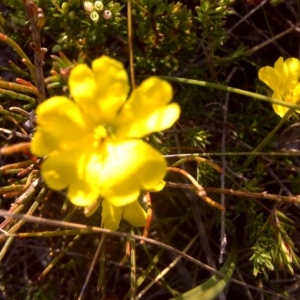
(133, 213)
(93, 144)
(283, 79)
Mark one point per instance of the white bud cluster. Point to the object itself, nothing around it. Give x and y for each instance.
(92, 8)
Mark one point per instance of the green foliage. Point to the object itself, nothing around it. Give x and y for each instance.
(252, 186)
(211, 288)
(199, 137)
(163, 32)
(294, 179)
(274, 249)
(212, 17)
(190, 39)
(205, 175)
(61, 68)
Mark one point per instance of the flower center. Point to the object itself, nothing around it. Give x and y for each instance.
(99, 136)
(110, 130)
(288, 98)
(101, 133)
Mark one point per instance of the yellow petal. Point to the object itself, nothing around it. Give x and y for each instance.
(288, 72)
(83, 89)
(39, 145)
(134, 214)
(158, 187)
(58, 170)
(161, 119)
(82, 84)
(82, 193)
(111, 215)
(112, 86)
(164, 118)
(283, 78)
(296, 96)
(279, 109)
(129, 167)
(152, 93)
(61, 125)
(147, 110)
(122, 193)
(84, 188)
(269, 76)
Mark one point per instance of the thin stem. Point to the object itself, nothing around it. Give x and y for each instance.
(197, 188)
(130, 48)
(94, 229)
(199, 160)
(267, 138)
(37, 21)
(232, 90)
(272, 40)
(92, 267)
(132, 269)
(262, 195)
(16, 47)
(58, 257)
(188, 155)
(168, 268)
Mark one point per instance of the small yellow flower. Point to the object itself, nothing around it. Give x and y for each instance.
(283, 79)
(93, 144)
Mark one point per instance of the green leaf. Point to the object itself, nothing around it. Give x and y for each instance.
(211, 288)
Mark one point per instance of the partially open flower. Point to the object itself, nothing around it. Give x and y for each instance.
(93, 144)
(283, 79)
(88, 6)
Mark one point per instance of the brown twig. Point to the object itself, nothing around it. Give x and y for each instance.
(130, 47)
(147, 197)
(94, 229)
(262, 195)
(37, 21)
(196, 187)
(7, 150)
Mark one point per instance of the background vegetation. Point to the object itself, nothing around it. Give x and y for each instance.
(222, 42)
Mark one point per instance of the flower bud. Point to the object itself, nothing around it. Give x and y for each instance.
(94, 16)
(65, 7)
(107, 14)
(99, 5)
(72, 15)
(88, 6)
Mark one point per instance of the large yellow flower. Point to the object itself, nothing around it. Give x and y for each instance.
(93, 144)
(283, 79)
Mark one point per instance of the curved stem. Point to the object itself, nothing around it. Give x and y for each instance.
(232, 90)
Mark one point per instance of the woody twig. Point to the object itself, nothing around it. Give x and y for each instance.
(37, 21)
(262, 195)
